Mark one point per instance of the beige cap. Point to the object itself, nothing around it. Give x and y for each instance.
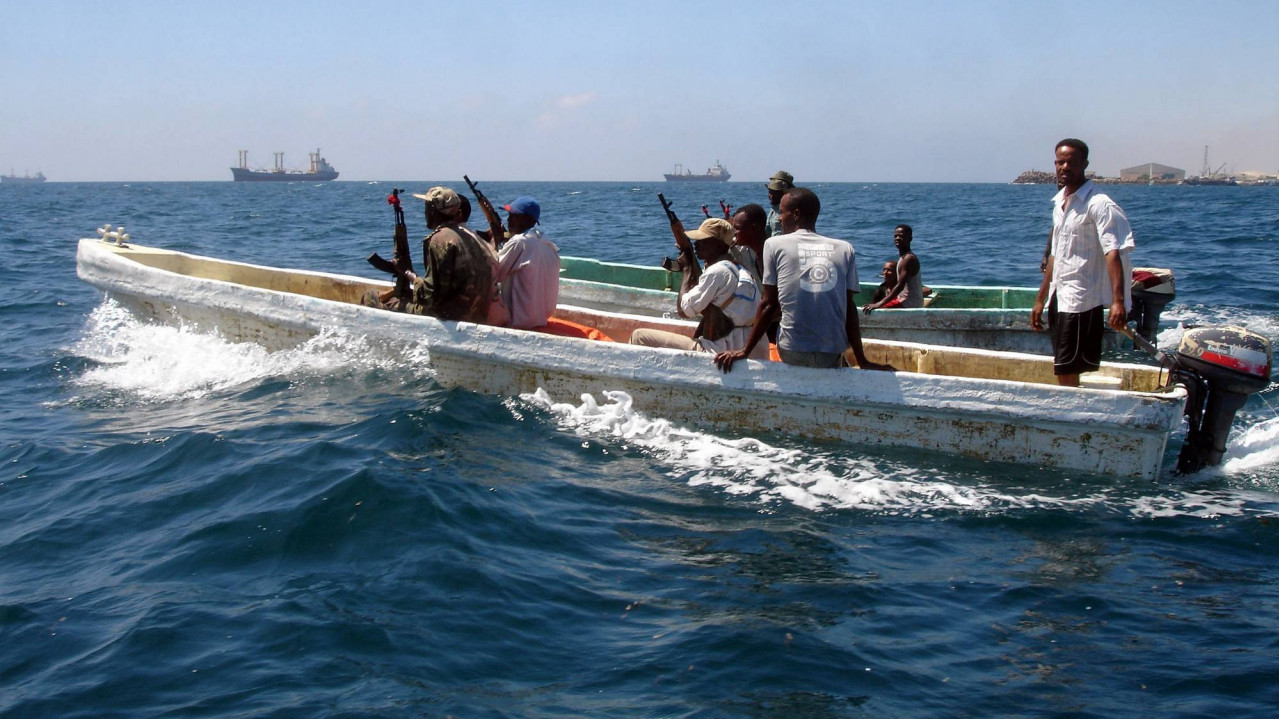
(714, 228)
(442, 199)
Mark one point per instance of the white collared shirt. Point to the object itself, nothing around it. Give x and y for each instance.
(1089, 226)
(529, 270)
(725, 283)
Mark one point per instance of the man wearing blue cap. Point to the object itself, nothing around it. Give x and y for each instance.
(528, 267)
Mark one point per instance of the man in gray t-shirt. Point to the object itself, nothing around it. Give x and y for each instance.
(810, 280)
(811, 274)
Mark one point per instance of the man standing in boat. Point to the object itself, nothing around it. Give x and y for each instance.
(528, 267)
(457, 282)
(811, 281)
(778, 184)
(1088, 269)
(908, 290)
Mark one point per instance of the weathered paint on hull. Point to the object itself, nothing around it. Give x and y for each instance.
(1106, 431)
(869, 415)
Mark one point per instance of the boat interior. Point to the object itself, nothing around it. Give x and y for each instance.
(659, 279)
(904, 356)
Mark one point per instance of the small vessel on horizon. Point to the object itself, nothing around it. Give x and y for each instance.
(718, 173)
(1209, 176)
(321, 170)
(13, 177)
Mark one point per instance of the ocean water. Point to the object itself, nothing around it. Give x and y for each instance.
(191, 527)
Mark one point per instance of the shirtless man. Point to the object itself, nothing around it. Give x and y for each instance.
(889, 273)
(909, 290)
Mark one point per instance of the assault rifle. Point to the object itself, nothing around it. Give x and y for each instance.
(687, 261)
(714, 323)
(402, 262)
(497, 233)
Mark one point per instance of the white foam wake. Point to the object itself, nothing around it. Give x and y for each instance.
(751, 468)
(819, 480)
(160, 363)
(1257, 446)
(1185, 316)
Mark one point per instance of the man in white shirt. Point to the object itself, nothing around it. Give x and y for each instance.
(725, 283)
(528, 267)
(1089, 268)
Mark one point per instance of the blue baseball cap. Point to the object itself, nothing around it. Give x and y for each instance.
(525, 206)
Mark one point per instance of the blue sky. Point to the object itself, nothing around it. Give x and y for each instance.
(833, 91)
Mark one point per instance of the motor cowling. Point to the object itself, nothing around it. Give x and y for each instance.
(1220, 367)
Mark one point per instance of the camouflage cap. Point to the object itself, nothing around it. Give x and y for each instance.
(442, 199)
(781, 180)
(714, 228)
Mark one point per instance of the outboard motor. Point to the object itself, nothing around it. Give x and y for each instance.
(1152, 289)
(1220, 367)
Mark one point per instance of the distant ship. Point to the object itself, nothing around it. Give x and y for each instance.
(1210, 180)
(321, 170)
(718, 173)
(1209, 176)
(12, 177)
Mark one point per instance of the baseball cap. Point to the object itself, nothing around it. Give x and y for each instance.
(525, 206)
(713, 228)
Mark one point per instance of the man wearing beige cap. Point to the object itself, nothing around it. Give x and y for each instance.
(457, 282)
(725, 288)
(778, 184)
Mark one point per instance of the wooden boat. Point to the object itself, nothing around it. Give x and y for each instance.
(989, 405)
(991, 318)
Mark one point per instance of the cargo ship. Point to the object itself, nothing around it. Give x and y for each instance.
(25, 178)
(321, 170)
(718, 173)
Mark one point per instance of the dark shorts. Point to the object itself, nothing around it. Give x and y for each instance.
(1076, 338)
(820, 360)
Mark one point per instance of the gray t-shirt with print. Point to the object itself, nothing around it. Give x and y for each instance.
(813, 275)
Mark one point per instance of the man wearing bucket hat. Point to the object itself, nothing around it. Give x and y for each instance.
(725, 284)
(528, 267)
(457, 282)
(778, 184)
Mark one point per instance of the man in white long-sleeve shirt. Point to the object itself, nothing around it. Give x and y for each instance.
(528, 267)
(725, 284)
(1088, 269)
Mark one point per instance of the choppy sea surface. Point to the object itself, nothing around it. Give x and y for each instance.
(191, 527)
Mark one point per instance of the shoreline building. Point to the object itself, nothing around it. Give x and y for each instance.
(1151, 172)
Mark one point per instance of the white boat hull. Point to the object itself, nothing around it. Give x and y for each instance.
(1007, 410)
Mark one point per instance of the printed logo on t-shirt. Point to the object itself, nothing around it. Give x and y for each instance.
(816, 271)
